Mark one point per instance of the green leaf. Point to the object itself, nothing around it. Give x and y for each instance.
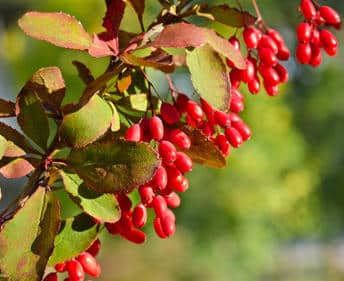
(114, 166)
(87, 124)
(3, 146)
(27, 240)
(7, 108)
(16, 168)
(138, 103)
(103, 207)
(49, 85)
(183, 35)
(16, 138)
(32, 118)
(59, 29)
(202, 150)
(226, 15)
(116, 120)
(76, 234)
(209, 76)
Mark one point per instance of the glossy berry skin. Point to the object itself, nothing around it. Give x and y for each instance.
(167, 151)
(175, 177)
(159, 205)
(75, 270)
(183, 162)
(194, 110)
(251, 37)
(243, 129)
(51, 277)
(156, 128)
(169, 113)
(94, 248)
(146, 194)
(304, 32)
(139, 216)
(330, 16)
(159, 179)
(60, 267)
(168, 225)
(180, 139)
(234, 137)
(267, 56)
(304, 53)
(89, 264)
(328, 39)
(223, 144)
(182, 186)
(158, 228)
(134, 235)
(172, 200)
(222, 119)
(133, 133)
(308, 10)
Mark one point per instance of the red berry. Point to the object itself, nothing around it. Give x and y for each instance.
(167, 151)
(235, 77)
(125, 223)
(234, 137)
(282, 72)
(304, 53)
(270, 75)
(159, 179)
(169, 113)
(304, 32)
(275, 35)
(94, 248)
(180, 139)
(159, 205)
(60, 267)
(89, 264)
(243, 129)
(222, 119)
(183, 162)
(206, 107)
(248, 73)
(51, 277)
(123, 201)
(156, 128)
(283, 52)
(172, 200)
(271, 90)
(135, 235)
(267, 56)
(270, 43)
(112, 228)
(328, 39)
(146, 194)
(158, 228)
(236, 105)
(316, 37)
(251, 37)
(182, 186)
(181, 102)
(254, 86)
(234, 41)
(133, 133)
(308, 10)
(194, 110)
(139, 216)
(75, 270)
(168, 225)
(316, 56)
(223, 144)
(329, 15)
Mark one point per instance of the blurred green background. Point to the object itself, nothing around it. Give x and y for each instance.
(276, 213)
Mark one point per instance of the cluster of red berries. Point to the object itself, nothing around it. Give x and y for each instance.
(77, 267)
(264, 50)
(312, 34)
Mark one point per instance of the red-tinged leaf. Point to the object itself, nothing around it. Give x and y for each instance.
(18, 139)
(100, 48)
(86, 125)
(7, 108)
(210, 76)
(158, 59)
(202, 150)
(32, 118)
(17, 168)
(183, 35)
(103, 207)
(84, 72)
(59, 29)
(13, 151)
(76, 234)
(114, 166)
(123, 83)
(227, 15)
(27, 240)
(49, 85)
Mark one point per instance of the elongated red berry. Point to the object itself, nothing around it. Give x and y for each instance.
(174, 176)
(329, 15)
(146, 194)
(139, 216)
(75, 270)
(282, 72)
(270, 75)
(268, 42)
(159, 179)
(51, 277)
(156, 128)
(283, 52)
(304, 32)
(60, 267)
(276, 36)
(181, 102)
(172, 200)
(159, 205)
(123, 201)
(271, 90)
(243, 129)
(308, 10)
(134, 133)
(158, 228)
(316, 56)
(134, 235)
(89, 264)
(222, 118)
(304, 53)
(168, 225)
(94, 248)
(112, 228)
(182, 186)
(169, 113)
(328, 39)
(194, 110)
(234, 137)
(167, 151)
(251, 37)
(223, 144)
(254, 86)
(183, 162)
(180, 139)
(267, 56)
(236, 105)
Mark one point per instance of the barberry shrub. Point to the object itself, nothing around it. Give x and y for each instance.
(121, 137)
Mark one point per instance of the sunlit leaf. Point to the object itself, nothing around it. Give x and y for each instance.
(114, 166)
(16, 168)
(27, 240)
(59, 29)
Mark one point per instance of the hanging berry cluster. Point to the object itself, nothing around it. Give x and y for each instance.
(313, 35)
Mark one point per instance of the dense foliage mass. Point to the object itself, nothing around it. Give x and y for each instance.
(122, 137)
